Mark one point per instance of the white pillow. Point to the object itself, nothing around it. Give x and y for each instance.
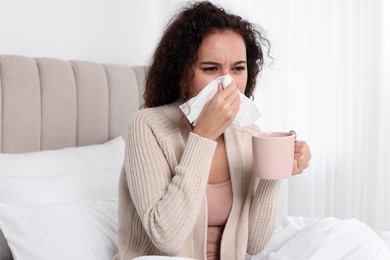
(77, 174)
(66, 188)
(81, 231)
(107, 156)
(69, 175)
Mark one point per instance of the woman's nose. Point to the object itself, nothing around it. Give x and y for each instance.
(224, 72)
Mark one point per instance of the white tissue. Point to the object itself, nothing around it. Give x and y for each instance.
(247, 115)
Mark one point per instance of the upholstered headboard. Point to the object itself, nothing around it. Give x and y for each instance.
(48, 103)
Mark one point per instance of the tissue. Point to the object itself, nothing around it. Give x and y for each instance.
(247, 114)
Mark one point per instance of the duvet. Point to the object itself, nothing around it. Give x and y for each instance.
(329, 238)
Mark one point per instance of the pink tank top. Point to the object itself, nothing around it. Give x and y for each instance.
(219, 204)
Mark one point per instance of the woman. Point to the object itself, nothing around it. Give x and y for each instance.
(189, 190)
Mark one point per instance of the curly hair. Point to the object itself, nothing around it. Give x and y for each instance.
(177, 51)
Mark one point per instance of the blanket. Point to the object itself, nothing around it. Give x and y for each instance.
(329, 238)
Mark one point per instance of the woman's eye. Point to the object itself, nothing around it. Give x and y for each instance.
(239, 68)
(210, 69)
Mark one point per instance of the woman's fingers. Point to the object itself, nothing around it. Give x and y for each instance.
(294, 133)
(229, 99)
(220, 111)
(302, 147)
(302, 156)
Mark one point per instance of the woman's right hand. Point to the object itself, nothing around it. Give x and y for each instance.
(218, 113)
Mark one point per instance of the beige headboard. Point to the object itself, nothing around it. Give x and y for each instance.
(48, 103)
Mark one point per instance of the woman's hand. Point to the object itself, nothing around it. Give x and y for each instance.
(302, 155)
(218, 113)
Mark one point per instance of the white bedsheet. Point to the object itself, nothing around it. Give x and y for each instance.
(299, 238)
(305, 238)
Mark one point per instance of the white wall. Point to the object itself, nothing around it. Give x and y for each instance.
(117, 31)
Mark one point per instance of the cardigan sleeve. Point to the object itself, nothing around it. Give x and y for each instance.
(263, 215)
(168, 198)
(263, 196)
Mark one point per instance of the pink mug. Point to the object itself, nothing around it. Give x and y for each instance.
(273, 155)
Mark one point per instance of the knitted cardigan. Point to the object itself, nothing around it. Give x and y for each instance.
(162, 190)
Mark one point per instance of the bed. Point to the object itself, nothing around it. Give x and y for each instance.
(61, 149)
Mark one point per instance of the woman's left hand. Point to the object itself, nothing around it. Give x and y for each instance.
(302, 155)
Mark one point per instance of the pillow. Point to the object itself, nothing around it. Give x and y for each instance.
(107, 156)
(67, 188)
(61, 231)
(69, 175)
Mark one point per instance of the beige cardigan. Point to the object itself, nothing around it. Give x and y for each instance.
(162, 202)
